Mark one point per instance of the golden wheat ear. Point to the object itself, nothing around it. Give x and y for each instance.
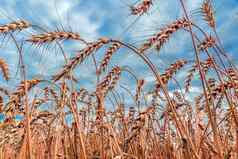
(29, 85)
(110, 51)
(141, 8)
(5, 69)
(49, 37)
(189, 77)
(140, 84)
(14, 26)
(171, 71)
(110, 81)
(160, 38)
(208, 13)
(80, 57)
(208, 42)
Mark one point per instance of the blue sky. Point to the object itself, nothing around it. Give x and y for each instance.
(93, 19)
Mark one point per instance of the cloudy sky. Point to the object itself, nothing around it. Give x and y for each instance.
(93, 19)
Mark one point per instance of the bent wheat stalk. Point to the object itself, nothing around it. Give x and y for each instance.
(202, 76)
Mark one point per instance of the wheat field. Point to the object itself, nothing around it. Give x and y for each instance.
(55, 117)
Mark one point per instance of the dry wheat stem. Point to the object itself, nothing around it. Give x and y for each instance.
(202, 76)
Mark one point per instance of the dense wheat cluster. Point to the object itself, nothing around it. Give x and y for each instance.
(63, 120)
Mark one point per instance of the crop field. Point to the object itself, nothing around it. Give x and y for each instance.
(117, 79)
